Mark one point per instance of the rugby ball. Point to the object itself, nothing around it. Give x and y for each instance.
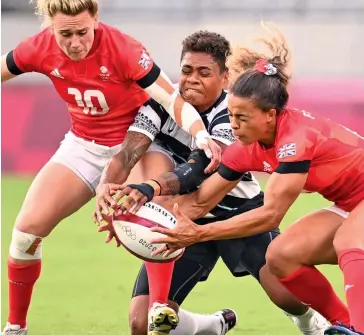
(133, 231)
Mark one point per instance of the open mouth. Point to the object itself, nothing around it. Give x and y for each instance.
(192, 90)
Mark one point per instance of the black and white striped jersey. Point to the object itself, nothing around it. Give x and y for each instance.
(153, 121)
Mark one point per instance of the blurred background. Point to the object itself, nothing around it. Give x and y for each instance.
(326, 37)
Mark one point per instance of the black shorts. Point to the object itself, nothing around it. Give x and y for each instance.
(242, 256)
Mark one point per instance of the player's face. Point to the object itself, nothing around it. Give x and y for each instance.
(250, 123)
(201, 80)
(75, 34)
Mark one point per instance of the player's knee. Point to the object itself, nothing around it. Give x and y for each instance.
(25, 247)
(138, 315)
(277, 256)
(138, 324)
(32, 223)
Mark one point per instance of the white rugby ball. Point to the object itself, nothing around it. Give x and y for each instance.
(133, 231)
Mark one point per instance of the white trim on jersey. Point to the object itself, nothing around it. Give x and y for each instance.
(223, 133)
(153, 122)
(212, 115)
(147, 122)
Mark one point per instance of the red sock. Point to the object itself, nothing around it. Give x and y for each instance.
(351, 262)
(159, 278)
(21, 281)
(311, 287)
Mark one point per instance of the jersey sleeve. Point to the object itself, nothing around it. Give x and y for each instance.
(26, 56)
(139, 64)
(221, 129)
(295, 150)
(149, 120)
(236, 161)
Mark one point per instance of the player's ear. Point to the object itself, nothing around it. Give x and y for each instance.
(96, 23)
(271, 115)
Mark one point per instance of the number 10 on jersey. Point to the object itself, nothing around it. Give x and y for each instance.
(85, 101)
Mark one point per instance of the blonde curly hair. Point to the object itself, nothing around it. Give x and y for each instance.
(262, 75)
(271, 46)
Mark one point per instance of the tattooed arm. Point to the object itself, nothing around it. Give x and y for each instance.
(118, 168)
(185, 177)
(117, 171)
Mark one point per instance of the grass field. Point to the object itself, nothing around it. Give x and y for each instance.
(86, 285)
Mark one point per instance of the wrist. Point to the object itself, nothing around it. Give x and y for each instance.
(114, 172)
(155, 185)
(212, 231)
(202, 137)
(202, 233)
(100, 186)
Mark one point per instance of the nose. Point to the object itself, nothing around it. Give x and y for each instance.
(75, 43)
(192, 79)
(233, 123)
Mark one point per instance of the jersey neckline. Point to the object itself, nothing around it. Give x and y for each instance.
(217, 103)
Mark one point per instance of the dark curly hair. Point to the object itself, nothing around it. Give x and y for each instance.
(208, 42)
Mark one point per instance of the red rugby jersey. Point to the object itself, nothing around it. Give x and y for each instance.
(101, 91)
(332, 155)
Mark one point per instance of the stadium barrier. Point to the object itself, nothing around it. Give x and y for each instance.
(35, 119)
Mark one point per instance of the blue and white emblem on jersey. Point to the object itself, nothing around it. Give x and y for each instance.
(287, 150)
(144, 61)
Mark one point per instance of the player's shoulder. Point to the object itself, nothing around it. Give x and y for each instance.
(152, 104)
(290, 116)
(44, 40)
(291, 121)
(237, 156)
(119, 39)
(237, 148)
(296, 122)
(220, 106)
(218, 113)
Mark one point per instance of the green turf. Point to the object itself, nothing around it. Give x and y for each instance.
(85, 285)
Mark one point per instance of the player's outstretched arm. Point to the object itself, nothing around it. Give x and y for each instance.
(184, 178)
(282, 190)
(197, 204)
(5, 73)
(117, 171)
(186, 116)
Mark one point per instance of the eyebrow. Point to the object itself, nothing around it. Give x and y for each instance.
(238, 114)
(199, 67)
(70, 30)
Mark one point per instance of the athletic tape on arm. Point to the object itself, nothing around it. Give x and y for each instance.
(189, 115)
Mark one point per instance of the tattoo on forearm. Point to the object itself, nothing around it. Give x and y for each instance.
(133, 148)
(170, 183)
